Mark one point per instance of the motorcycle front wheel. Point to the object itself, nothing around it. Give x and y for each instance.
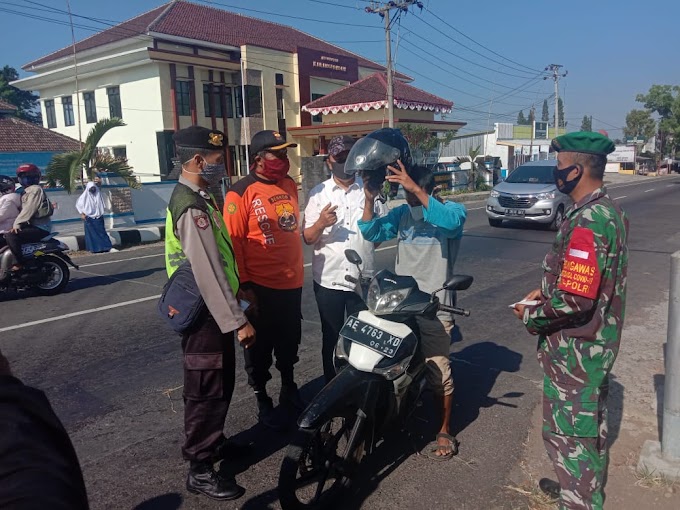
(56, 274)
(320, 462)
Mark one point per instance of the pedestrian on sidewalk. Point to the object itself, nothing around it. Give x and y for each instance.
(428, 233)
(333, 210)
(195, 233)
(90, 206)
(262, 214)
(578, 319)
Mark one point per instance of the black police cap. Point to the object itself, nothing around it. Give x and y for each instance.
(198, 137)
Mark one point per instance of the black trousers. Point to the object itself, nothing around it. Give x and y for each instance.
(333, 304)
(209, 367)
(26, 235)
(279, 329)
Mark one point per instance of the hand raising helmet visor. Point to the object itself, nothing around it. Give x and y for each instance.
(377, 150)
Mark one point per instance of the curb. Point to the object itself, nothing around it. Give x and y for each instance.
(468, 197)
(118, 238)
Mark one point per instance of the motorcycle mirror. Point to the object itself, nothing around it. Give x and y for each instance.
(458, 282)
(353, 257)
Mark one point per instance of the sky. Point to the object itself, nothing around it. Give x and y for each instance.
(487, 57)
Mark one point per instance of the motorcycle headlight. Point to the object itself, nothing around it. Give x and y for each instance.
(494, 194)
(546, 196)
(384, 303)
(391, 373)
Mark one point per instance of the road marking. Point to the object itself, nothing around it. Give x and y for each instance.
(128, 280)
(76, 314)
(670, 185)
(613, 186)
(649, 190)
(619, 198)
(122, 260)
(476, 208)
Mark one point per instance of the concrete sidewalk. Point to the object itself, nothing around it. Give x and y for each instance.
(119, 237)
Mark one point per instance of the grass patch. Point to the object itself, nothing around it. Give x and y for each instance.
(650, 479)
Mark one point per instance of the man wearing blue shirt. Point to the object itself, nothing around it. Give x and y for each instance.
(428, 233)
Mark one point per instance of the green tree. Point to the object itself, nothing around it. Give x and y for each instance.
(521, 120)
(664, 100)
(532, 117)
(560, 109)
(424, 143)
(473, 173)
(545, 116)
(639, 123)
(587, 123)
(26, 101)
(66, 168)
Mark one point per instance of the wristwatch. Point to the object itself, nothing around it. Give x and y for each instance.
(526, 315)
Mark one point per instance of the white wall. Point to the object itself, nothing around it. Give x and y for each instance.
(142, 108)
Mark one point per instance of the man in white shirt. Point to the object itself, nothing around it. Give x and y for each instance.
(331, 216)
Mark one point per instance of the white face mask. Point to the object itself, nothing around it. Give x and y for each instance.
(416, 212)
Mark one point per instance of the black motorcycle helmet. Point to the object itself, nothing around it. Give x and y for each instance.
(372, 154)
(6, 185)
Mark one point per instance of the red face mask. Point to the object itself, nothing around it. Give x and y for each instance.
(274, 169)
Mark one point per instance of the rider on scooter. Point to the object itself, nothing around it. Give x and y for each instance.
(10, 206)
(33, 222)
(428, 233)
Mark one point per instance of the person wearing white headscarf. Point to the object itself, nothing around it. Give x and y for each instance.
(91, 207)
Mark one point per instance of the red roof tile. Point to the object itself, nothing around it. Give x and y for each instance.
(7, 107)
(371, 92)
(18, 135)
(204, 23)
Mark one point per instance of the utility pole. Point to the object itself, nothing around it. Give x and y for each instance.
(533, 128)
(383, 9)
(556, 75)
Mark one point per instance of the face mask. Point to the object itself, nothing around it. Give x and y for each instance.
(416, 212)
(560, 176)
(212, 173)
(93, 189)
(338, 171)
(274, 169)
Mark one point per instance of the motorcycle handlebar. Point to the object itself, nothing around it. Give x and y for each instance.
(455, 310)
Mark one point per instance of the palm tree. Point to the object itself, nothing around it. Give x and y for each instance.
(472, 156)
(67, 168)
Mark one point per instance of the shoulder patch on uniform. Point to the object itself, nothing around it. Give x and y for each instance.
(231, 207)
(202, 221)
(580, 273)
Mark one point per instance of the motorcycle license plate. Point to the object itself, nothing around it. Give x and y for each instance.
(515, 212)
(369, 336)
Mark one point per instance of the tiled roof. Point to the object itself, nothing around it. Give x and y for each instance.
(18, 135)
(371, 92)
(204, 23)
(7, 107)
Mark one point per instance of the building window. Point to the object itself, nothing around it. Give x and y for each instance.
(90, 107)
(115, 109)
(253, 101)
(183, 98)
(317, 118)
(120, 152)
(229, 100)
(51, 114)
(217, 94)
(67, 103)
(279, 79)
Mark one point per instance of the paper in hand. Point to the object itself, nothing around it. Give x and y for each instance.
(526, 302)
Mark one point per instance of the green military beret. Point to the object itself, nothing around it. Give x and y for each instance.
(586, 142)
(198, 137)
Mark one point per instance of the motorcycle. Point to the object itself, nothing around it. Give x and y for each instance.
(45, 268)
(380, 377)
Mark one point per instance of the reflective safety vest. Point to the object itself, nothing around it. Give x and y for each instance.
(183, 198)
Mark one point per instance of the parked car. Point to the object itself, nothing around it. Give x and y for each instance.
(528, 195)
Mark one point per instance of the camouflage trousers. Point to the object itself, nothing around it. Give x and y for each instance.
(579, 452)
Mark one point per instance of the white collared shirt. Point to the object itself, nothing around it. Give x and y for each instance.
(329, 264)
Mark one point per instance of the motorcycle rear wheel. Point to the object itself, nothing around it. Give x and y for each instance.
(58, 275)
(319, 464)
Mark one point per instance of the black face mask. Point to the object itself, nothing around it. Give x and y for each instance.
(560, 175)
(338, 171)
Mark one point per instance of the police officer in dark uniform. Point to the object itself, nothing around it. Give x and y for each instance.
(195, 232)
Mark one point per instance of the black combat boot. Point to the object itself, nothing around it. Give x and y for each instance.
(203, 479)
(290, 396)
(550, 488)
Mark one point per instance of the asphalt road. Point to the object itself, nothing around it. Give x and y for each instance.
(113, 372)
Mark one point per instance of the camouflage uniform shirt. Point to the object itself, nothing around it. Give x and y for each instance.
(580, 318)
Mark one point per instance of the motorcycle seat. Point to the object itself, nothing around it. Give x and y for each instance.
(49, 236)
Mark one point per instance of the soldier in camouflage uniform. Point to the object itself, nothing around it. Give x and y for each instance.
(579, 319)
